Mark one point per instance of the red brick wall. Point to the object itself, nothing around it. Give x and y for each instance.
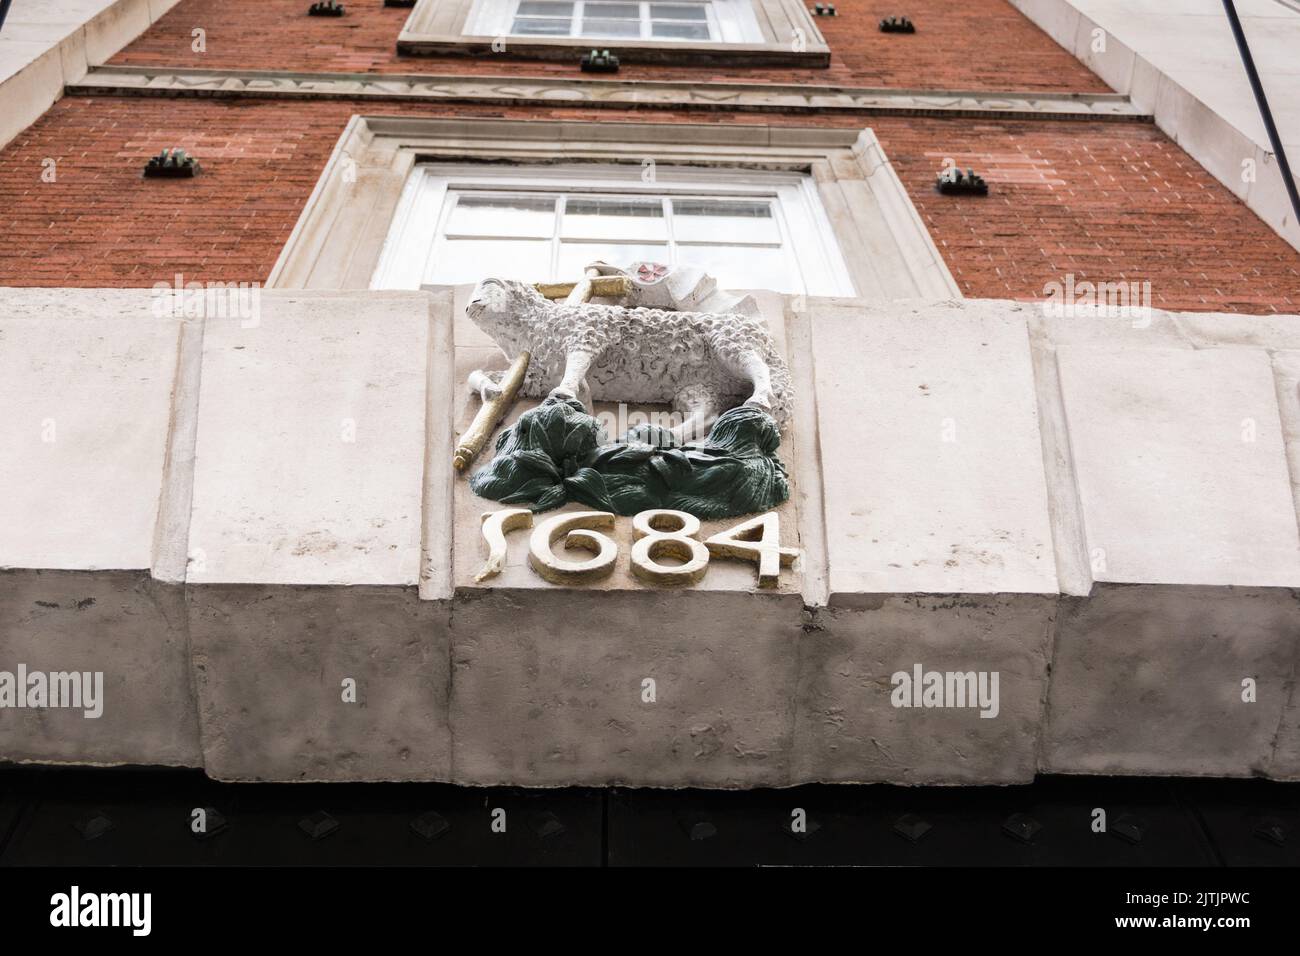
(967, 44)
(1105, 201)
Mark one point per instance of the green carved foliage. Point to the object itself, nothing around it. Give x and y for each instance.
(552, 456)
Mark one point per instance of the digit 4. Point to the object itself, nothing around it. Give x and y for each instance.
(757, 540)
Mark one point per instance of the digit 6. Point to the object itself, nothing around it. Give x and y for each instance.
(575, 527)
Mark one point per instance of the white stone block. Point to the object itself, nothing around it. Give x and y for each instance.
(311, 442)
(1180, 466)
(930, 453)
(1113, 62)
(33, 84)
(86, 380)
(17, 53)
(548, 682)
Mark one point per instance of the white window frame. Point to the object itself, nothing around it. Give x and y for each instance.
(578, 20)
(730, 21)
(423, 209)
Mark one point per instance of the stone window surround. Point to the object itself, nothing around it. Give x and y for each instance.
(337, 241)
(789, 38)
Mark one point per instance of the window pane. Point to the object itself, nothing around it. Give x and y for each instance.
(611, 28)
(712, 220)
(679, 31)
(541, 28)
(576, 256)
(612, 11)
(544, 8)
(502, 216)
(677, 11)
(737, 267)
(469, 260)
(611, 217)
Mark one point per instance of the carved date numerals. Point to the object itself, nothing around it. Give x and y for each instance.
(657, 534)
(665, 533)
(575, 527)
(757, 540)
(496, 524)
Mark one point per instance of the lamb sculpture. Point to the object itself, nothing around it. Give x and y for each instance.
(718, 370)
(698, 363)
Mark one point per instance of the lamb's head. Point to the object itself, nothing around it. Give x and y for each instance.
(503, 308)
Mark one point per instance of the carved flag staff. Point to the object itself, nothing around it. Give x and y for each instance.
(602, 287)
(491, 412)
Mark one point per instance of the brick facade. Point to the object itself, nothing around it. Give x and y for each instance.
(975, 45)
(1106, 201)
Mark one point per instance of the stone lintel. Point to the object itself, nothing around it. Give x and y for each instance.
(285, 566)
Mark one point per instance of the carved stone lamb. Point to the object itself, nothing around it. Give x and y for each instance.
(699, 363)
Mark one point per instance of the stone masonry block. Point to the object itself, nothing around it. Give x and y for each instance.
(122, 624)
(1147, 679)
(270, 667)
(849, 729)
(548, 688)
(87, 379)
(1191, 533)
(930, 453)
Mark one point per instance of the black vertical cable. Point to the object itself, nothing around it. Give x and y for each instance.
(4, 11)
(1265, 113)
